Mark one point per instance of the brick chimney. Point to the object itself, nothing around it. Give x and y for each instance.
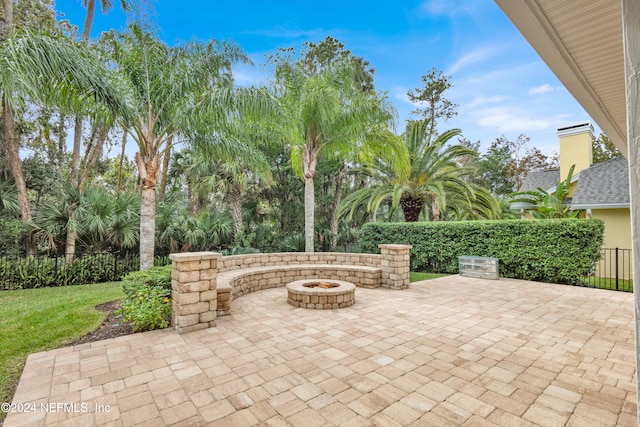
(575, 147)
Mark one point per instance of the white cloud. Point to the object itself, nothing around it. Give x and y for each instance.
(503, 74)
(473, 57)
(514, 119)
(400, 93)
(247, 75)
(483, 100)
(541, 90)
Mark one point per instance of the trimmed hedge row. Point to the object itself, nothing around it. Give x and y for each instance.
(556, 251)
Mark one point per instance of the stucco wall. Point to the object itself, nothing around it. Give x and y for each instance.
(617, 227)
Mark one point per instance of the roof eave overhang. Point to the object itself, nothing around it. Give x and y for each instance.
(527, 16)
(601, 206)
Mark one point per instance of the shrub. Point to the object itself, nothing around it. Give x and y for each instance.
(557, 251)
(147, 303)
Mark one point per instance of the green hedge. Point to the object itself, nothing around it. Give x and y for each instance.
(557, 251)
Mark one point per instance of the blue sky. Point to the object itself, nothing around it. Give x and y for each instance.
(500, 84)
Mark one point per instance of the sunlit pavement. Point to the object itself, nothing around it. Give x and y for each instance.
(450, 351)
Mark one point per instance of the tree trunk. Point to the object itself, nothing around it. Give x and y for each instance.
(165, 171)
(333, 225)
(124, 144)
(147, 227)
(411, 209)
(70, 244)
(88, 20)
(103, 133)
(11, 146)
(236, 211)
(148, 177)
(309, 160)
(435, 209)
(309, 208)
(62, 141)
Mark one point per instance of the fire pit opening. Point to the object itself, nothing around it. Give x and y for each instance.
(322, 285)
(321, 294)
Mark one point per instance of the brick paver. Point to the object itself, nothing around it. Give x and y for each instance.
(450, 351)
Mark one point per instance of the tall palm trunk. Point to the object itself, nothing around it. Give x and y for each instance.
(236, 210)
(70, 243)
(124, 144)
(333, 225)
(309, 205)
(309, 161)
(435, 209)
(165, 171)
(148, 177)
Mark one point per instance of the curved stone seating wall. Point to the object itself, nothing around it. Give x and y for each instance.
(233, 284)
(204, 283)
(236, 262)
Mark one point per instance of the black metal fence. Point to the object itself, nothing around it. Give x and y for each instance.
(613, 271)
(54, 270)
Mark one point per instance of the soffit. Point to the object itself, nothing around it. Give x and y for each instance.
(581, 42)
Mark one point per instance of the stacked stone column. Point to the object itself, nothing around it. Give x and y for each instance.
(395, 266)
(194, 290)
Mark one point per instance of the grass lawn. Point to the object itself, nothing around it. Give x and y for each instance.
(414, 276)
(609, 283)
(34, 320)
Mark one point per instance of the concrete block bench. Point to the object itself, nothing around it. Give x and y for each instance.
(204, 283)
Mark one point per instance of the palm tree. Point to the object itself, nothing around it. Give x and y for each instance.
(325, 114)
(435, 179)
(100, 129)
(178, 94)
(52, 71)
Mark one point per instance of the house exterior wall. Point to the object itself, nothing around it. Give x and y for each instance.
(617, 227)
(617, 234)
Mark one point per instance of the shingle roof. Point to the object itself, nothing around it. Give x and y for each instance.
(544, 179)
(605, 183)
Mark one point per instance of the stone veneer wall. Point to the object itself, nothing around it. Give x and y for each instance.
(236, 262)
(194, 290)
(194, 277)
(395, 266)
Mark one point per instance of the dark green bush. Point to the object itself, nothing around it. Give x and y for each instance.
(40, 271)
(147, 303)
(557, 251)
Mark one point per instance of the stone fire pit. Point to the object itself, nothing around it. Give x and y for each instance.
(321, 294)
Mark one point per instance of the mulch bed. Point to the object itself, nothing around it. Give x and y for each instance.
(113, 326)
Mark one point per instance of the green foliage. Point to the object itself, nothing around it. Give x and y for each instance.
(44, 271)
(435, 181)
(12, 233)
(557, 251)
(603, 149)
(147, 303)
(550, 205)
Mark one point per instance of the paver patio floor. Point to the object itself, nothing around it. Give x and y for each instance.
(450, 351)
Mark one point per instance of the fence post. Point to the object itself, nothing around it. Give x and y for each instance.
(616, 269)
(115, 266)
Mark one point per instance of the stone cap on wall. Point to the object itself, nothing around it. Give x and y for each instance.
(194, 256)
(394, 246)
